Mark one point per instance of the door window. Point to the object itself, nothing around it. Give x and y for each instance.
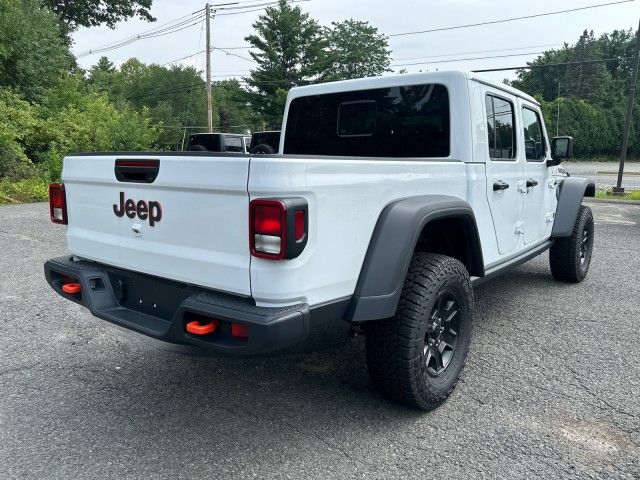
(534, 141)
(500, 128)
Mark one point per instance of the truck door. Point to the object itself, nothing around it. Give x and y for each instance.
(504, 169)
(539, 202)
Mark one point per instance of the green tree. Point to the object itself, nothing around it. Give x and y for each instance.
(356, 50)
(18, 123)
(32, 53)
(590, 94)
(589, 81)
(289, 49)
(101, 75)
(91, 13)
(93, 124)
(175, 97)
(230, 101)
(587, 78)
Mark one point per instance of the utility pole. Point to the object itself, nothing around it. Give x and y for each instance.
(619, 189)
(209, 99)
(558, 116)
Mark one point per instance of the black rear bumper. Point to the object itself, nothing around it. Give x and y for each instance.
(161, 308)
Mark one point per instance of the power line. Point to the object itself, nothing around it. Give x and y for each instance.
(233, 54)
(158, 94)
(160, 27)
(504, 20)
(179, 24)
(242, 7)
(183, 58)
(548, 65)
(478, 51)
(250, 9)
(236, 48)
(466, 59)
(149, 34)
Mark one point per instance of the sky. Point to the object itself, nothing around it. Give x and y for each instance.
(390, 17)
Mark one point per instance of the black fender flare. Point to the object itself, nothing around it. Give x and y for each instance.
(570, 194)
(391, 248)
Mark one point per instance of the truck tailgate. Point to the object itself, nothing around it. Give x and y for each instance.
(189, 223)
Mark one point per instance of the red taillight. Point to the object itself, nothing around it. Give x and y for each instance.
(268, 229)
(278, 227)
(301, 226)
(57, 203)
(269, 219)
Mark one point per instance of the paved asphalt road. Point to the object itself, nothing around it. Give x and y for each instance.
(551, 389)
(605, 174)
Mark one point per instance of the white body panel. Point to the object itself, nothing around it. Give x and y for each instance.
(345, 199)
(203, 236)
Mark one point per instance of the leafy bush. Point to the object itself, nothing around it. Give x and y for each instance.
(35, 138)
(18, 122)
(28, 190)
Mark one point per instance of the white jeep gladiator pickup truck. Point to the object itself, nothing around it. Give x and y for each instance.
(389, 199)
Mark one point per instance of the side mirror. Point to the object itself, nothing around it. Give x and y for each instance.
(561, 149)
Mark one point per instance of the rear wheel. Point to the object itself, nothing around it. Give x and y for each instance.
(417, 356)
(570, 257)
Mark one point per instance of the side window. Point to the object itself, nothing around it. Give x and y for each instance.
(534, 141)
(500, 128)
(233, 144)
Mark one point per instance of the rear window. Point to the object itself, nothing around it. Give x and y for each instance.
(410, 121)
(211, 142)
(233, 144)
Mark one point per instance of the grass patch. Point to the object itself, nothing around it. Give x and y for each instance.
(635, 195)
(24, 191)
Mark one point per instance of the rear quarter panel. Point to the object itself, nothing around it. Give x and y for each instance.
(346, 197)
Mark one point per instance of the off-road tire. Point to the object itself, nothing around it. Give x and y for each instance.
(263, 149)
(568, 258)
(395, 347)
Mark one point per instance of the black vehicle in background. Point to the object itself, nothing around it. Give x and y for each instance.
(218, 142)
(265, 143)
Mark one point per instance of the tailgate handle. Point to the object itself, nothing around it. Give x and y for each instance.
(137, 171)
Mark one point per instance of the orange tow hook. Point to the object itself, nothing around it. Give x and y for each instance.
(71, 288)
(197, 327)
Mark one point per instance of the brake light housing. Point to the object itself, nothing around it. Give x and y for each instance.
(278, 227)
(58, 203)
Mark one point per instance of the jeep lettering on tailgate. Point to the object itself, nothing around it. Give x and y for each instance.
(151, 211)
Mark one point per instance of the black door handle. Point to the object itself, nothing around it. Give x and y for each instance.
(500, 185)
(531, 183)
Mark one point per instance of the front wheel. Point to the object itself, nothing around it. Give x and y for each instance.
(417, 356)
(570, 257)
